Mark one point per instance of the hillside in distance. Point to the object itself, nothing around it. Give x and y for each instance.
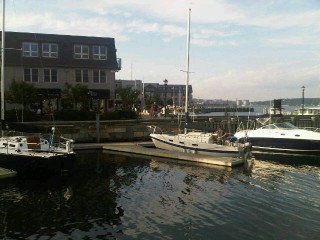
(287, 101)
(292, 102)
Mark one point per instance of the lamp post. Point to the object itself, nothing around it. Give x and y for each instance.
(173, 96)
(302, 107)
(165, 82)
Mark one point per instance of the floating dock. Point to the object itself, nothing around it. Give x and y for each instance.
(147, 148)
(7, 173)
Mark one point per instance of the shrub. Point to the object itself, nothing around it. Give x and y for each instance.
(74, 115)
(16, 116)
(119, 115)
(69, 115)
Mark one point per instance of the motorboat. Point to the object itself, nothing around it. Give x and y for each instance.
(32, 153)
(194, 142)
(282, 139)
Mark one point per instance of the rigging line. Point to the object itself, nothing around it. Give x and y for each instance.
(237, 110)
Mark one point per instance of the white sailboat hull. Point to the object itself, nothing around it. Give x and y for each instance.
(193, 144)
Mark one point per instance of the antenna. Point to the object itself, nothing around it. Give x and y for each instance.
(188, 63)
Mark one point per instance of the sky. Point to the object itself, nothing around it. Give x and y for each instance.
(239, 49)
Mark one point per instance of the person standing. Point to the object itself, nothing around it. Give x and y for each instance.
(38, 113)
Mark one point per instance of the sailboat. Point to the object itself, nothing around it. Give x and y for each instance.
(26, 154)
(206, 143)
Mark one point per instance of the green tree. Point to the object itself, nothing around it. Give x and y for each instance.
(22, 93)
(151, 100)
(170, 101)
(72, 95)
(128, 96)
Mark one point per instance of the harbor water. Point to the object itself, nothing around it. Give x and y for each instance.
(112, 196)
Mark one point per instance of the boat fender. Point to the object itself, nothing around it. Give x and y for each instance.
(245, 156)
(247, 145)
(68, 146)
(244, 150)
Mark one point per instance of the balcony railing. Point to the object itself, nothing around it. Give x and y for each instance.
(119, 62)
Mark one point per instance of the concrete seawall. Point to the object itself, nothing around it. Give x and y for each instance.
(136, 130)
(109, 131)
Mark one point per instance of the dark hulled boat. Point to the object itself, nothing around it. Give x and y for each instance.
(282, 140)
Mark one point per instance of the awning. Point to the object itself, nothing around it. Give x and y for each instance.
(99, 93)
(49, 92)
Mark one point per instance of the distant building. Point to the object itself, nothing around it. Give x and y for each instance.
(133, 84)
(174, 93)
(49, 61)
(243, 103)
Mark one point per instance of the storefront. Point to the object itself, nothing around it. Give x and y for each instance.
(99, 99)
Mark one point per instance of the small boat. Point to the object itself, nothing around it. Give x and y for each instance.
(279, 140)
(27, 154)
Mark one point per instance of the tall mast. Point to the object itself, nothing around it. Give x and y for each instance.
(2, 59)
(188, 62)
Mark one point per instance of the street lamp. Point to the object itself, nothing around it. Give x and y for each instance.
(303, 87)
(165, 82)
(173, 96)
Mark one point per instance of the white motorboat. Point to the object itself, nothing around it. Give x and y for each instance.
(282, 139)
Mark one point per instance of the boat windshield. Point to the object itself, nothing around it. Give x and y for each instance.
(284, 125)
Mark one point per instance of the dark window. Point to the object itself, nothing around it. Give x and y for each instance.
(50, 50)
(30, 75)
(50, 75)
(82, 75)
(30, 49)
(81, 51)
(99, 52)
(99, 76)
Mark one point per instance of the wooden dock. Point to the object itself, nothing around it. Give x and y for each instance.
(147, 148)
(7, 173)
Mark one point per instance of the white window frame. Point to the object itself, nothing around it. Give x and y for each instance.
(82, 54)
(100, 80)
(50, 53)
(51, 75)
(28, 51)
(82, 73)
(31, 73)
(97, 52)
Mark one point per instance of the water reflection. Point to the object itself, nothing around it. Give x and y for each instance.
(114, 196)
